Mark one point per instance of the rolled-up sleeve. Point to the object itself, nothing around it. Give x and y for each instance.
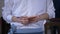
(50, 9)
(7, 10)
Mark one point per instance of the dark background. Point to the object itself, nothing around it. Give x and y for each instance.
(57, 7)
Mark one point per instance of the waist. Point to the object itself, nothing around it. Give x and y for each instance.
(32, 25)
(29, 30)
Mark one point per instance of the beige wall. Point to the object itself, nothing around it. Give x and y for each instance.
(1, 4)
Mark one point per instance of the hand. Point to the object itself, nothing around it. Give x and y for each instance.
(15, 19)
(39, 17)
(23, 20)
(34, 19)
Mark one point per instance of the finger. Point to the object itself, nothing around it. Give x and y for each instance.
(33, 20)
(24, 21)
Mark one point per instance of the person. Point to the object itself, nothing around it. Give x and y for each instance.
(27, 16)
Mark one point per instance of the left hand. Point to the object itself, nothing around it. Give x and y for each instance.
(33, 19)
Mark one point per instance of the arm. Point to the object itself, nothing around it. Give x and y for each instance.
(50, 13)
(50, 9)
(43, 16)
(6, 13)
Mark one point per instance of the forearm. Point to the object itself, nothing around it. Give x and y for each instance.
(44, 16)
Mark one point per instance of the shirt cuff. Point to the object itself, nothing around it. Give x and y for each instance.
(9, 17)
(51, 14)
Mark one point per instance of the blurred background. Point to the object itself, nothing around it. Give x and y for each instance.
(1, 4)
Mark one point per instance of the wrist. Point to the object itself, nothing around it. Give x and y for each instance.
(38, 17)
(14, 18)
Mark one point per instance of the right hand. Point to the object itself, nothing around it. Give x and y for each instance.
(23, 20)
(15, 19)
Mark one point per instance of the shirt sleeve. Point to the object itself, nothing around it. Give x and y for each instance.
(50, 9)
(7, 10)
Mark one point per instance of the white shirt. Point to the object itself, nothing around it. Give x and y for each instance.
(28, 8)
